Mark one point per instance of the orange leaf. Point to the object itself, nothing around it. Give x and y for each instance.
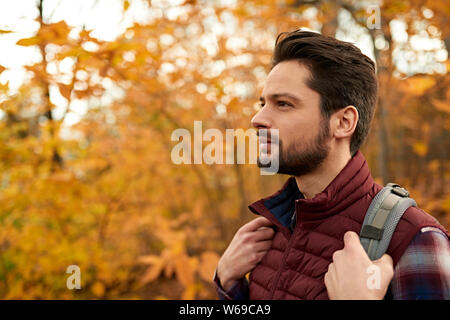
(152, 272)
(169, 270)
(98, 289)
(417, 85)
(65, 90)
(189, 292)
(26, 42)
(126, 5)
(420, 148)
(150, 259)
(184, 271)
(441, 105)
(208, 264)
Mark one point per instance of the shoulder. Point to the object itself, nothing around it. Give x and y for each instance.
(423, 271)
(429, 244)
(412, 222)
(414, 216)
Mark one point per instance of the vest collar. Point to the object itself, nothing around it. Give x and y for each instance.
(351, 184)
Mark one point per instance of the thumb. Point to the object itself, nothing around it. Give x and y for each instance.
(256, 224)
(386, 264)
(385, 260)
(351, 239)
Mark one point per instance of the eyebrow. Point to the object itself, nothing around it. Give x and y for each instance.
(275, 96)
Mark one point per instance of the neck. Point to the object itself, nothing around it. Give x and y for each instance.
(315, 182)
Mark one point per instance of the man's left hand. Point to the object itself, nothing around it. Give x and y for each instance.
(353, 276)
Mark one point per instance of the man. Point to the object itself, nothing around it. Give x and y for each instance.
(320, 95)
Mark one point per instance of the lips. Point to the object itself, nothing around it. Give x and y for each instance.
(264, 139)
(265, 146)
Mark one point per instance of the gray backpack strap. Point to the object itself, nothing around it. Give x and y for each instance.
(382, 217)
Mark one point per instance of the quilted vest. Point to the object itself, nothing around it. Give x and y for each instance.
(295, 265)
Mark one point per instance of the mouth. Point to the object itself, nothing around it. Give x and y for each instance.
(268, 146)
(264, 139)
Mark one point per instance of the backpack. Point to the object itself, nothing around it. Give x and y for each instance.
(382, 217)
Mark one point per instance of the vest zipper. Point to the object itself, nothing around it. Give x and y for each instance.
(285, 254)
(283, 261)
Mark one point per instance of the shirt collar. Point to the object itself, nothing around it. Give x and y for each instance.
(352, 183)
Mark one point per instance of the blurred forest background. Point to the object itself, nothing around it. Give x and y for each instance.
(101, 191)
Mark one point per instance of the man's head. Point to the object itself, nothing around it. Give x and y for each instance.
(320, 93)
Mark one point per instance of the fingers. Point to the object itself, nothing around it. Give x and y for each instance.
(260, 255)
(353, 248)
(387, 265)
(352, 245)
(263, 234)
(256, 224)
(385, 259)
(249, 245)
(351, 239)
(257, 236)
(336, 255)
(262, 245)
(329, 273)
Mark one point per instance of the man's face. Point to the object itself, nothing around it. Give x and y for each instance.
(290, 106)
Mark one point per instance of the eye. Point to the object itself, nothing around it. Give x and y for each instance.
(284, 104)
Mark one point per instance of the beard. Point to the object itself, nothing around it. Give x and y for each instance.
(299, 158)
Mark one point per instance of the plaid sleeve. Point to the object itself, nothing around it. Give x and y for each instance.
(239, 290)
(423, 272)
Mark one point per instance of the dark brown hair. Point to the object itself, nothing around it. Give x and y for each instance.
(340, 73)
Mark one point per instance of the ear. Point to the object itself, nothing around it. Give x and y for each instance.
(345, 121)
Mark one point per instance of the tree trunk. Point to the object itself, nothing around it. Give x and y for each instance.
(57, 160)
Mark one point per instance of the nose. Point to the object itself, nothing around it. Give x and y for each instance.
(261, 120)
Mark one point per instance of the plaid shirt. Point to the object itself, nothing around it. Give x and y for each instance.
(423, 271)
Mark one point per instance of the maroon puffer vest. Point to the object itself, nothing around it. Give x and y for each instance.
(295, 265)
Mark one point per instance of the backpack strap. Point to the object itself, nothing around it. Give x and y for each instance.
(382, 217)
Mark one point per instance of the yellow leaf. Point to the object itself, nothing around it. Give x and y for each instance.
(150, 259)
(208, 264)
(2, 68)
(189, 292)
(152, 272)
(184, 271)
(434, 166)
(98, 289)
(169, 270)
(65, 90)
(29, 41)
(420, 148)
(126, 5)
(446, 205)
(61, 28)
(418, 85)
(63, 176)
(5, 31)
(441, 105)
